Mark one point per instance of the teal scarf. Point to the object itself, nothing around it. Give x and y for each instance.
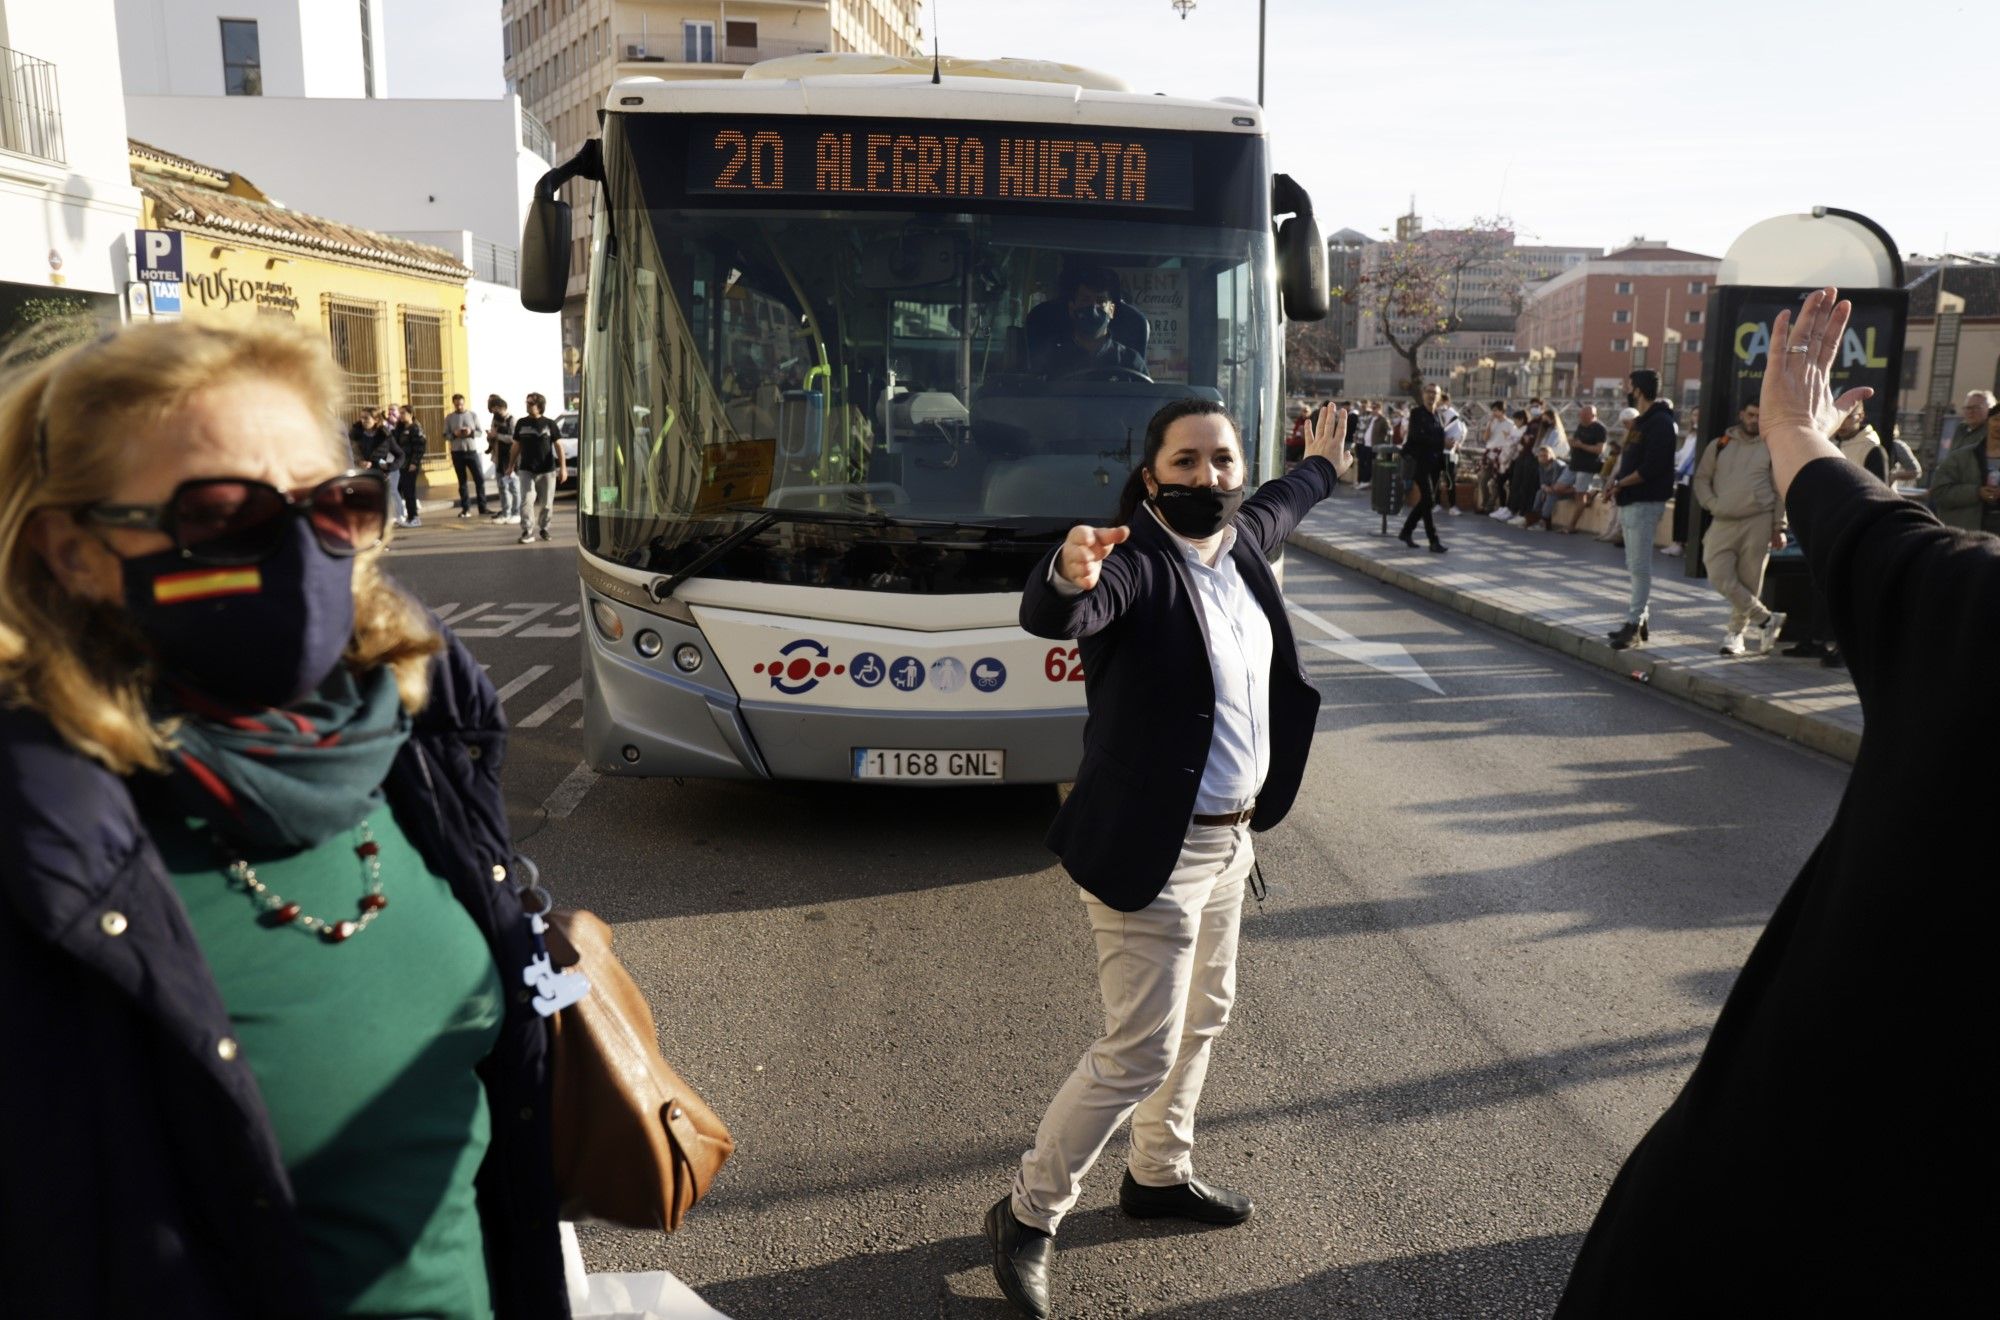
(288, 779)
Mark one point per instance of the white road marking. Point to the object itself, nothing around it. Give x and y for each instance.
(1387, 657)
(555, 630)
(570, 791)
(548, 711)
(444, 612)
(515, 685)
(503, 621)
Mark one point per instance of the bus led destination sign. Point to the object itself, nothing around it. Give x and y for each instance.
(942, 160)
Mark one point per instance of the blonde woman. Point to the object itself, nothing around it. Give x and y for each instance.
(275, 1058)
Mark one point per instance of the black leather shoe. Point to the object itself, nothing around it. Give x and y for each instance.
(1437, 547)
(1408, 540)
(1020, 1259)
(1194, 1200)
(1630, 633)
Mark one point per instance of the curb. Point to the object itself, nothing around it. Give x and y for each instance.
(1664, 675)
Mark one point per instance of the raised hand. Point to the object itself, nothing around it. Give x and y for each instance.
(1797, 369)
(1084, 552)
(1326, 436)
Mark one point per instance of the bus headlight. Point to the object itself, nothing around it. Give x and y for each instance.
(608, 622)
(648, 644)
(688, 656)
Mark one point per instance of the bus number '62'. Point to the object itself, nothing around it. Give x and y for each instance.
(1063, 665)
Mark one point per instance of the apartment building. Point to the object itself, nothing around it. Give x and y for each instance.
(1595, 313)
(563, 55)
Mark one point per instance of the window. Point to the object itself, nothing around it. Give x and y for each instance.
(1913, 357)
(1622, 316)
(1623, 286)
(742, 36)
(1694, 346)
(1620, 345)
(698, 43)
(242, 69)
(1697, 287)
(1694, 318)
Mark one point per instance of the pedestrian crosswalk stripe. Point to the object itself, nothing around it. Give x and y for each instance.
(450, 614)
(516, 684)
(548, 710)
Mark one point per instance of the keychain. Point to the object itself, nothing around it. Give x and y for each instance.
(554, 990)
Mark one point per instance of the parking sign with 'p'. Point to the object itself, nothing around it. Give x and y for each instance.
(159, 252)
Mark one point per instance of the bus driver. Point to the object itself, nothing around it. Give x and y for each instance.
(1078, 333)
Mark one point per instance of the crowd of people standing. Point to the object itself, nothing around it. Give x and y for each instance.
(1533, 467)
(521, 457)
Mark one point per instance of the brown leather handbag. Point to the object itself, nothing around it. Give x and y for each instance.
(634, 1145)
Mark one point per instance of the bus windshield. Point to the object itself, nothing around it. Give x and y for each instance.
(942, 391)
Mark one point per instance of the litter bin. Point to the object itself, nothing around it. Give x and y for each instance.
(1385, 493)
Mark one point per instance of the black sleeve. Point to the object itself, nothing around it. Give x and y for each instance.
(1269, 516)
(1656, 463)
(1046, 612)
(1915, 605)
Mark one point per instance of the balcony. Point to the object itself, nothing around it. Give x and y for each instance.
(30, 111)
(637, 51)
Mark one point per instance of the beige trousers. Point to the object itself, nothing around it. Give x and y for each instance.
(1167, 974)
(1736, 551)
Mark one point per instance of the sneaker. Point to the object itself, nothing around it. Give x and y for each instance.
(1767, 632)
(1453, 511)
(1732, 644)
(465, 513)
(1671, 551)
(499, 517)
(545, 533)
(512, 520)
(526, 540)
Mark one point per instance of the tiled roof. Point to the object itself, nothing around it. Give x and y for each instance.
(1978, 285)
(142, 151)
(188, 204)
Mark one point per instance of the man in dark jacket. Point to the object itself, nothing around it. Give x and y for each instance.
(366, 437)
(1423, 461)
(412, 444)
(1644, 484)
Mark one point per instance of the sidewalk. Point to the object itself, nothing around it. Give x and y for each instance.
(1567, 592)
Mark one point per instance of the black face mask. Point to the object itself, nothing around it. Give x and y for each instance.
(1090, 321)
(251, 635)
(1197, 512)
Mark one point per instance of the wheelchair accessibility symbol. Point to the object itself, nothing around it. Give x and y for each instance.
(868, 669)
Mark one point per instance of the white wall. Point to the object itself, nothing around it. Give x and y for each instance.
(306, 47)
(83, 207)
(510, 351)
(393, 165)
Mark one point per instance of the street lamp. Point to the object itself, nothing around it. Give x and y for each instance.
(1186, 7)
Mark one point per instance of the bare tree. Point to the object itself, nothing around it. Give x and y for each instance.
(1418, 289)
(1312, 348)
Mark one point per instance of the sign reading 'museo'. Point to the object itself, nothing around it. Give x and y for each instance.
(900, 159)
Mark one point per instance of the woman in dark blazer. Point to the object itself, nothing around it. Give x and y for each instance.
(1424, 453)
(1201, 718)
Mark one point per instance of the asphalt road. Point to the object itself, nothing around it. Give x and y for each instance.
(1502, 918)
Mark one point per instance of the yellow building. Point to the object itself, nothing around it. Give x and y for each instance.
(393, 311)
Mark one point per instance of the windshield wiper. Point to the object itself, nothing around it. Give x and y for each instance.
(766, 519)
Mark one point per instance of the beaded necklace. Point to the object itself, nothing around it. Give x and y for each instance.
(276, 910)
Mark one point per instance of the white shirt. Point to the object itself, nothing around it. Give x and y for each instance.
(1239, 664)
(1499, 434)
(1454, 426)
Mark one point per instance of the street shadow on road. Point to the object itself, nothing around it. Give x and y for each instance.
(948, 1277)
(1522, 1277)
(711, 846)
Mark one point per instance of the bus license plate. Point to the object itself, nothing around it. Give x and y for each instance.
(906, 763)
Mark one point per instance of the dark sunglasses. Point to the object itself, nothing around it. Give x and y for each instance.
(229, 520)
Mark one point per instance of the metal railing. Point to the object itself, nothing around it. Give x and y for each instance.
(30, 110)
(673, 48)
(536, 138)
(496, 264)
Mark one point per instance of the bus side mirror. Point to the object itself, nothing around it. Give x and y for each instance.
(1302, 286)
(545, 254)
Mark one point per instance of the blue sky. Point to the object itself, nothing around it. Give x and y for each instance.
(1587, 121)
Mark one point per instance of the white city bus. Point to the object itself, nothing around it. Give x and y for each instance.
(831, 408)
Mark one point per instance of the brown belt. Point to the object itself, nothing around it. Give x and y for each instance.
(1233, 818)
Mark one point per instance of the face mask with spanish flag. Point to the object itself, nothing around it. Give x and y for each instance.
(249, 635)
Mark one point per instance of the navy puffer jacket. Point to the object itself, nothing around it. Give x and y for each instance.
(142, 1175)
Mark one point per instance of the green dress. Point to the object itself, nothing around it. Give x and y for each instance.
(364, 1052)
